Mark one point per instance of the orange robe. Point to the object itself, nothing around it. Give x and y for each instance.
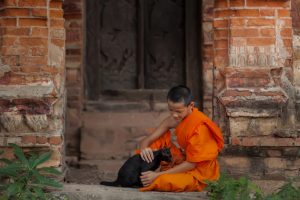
(201, 141)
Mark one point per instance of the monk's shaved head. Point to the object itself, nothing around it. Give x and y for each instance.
(179, 94)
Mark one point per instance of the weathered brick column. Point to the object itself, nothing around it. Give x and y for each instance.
(254, 87)
(296, 58)
(32, 94)
(73, 14)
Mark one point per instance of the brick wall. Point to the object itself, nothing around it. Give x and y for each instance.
(73, 14)
(254, 90)
(32, 61)
(207, 55)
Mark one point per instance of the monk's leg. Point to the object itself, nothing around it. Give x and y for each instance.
(180, 182)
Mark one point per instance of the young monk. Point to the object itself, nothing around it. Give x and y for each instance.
(200, 141)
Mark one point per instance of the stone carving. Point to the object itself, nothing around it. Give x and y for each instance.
(37, 122)
(4, 68)
(11, 121)
(252, 56)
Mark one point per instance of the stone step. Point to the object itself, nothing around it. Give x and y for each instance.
(96, 192)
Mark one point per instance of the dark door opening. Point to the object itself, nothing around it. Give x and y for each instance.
(137, 49)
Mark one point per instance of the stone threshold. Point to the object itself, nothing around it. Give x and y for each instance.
(96, 192)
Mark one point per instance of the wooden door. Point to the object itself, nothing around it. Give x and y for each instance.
(138, 49)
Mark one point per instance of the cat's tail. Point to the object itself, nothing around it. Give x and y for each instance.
(107, 183)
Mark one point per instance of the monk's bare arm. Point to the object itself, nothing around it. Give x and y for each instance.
(183, 167)
(146, 152)
(165, 125)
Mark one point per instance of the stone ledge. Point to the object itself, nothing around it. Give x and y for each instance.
(95, 192)
(253, 103)
(265, 141)
(30, 90)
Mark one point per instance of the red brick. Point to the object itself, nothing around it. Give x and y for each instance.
(15, 12)
(208, 52)
(221, 4)
(39, 32)
(261, 22)
(37, 12)
(73, 16)
(10, 2)
(58, 42)
(12, 31)
(9, 41)
(235, 93)
(221, 52)
(73, 35)
(33, 61)
(12, 60)
(267, 3)
(51, 70)
(221, 44)
(30, 69)
(41, 140)
(222, 13)
(57, 23)
(56, 13)
(220, 34)
(8, 22)
(267, 32)
(8, 153)
(247, 82)
(287, 42)
(72, 75)
(33, 41)
(236, 3)
(244, 32)
(238, 42)
(39, 51)
(29, 139)
(260, 41)
(221, 23)
(222, 61)
(287, 22)
(267, 13)
(32, 22)
(246, 13)
(14, 50)
(55, 140)
(286, 32)
(55, 4)
(237, 22)
(284, 13)
(32, 3)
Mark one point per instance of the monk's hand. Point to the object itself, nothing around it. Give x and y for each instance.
(147, 154)
(148, 176)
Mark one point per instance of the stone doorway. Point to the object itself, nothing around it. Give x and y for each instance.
(135, 51)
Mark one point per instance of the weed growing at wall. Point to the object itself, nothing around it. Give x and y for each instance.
(228, 188)
(23, 179)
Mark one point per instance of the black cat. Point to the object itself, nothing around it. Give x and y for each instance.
(129, 174)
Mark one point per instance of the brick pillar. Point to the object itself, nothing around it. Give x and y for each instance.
(296, 51)
(207, 55)
(254, 86)
(73, 14)
(32, 76)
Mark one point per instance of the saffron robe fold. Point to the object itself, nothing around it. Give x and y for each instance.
(200, 141)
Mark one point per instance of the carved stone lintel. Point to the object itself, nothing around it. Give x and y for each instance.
(11, 121)
(37, 122)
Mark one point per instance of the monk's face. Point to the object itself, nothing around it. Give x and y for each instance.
(179, 111)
